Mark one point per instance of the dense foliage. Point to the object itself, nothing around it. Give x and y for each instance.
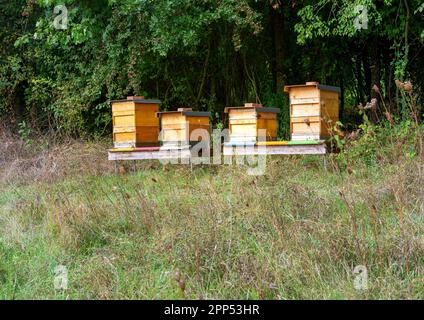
(206, 54)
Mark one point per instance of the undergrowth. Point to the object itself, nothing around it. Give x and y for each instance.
(152, 231)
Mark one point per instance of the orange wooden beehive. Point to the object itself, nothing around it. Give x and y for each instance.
(135, 123)
(178, 126)
(314, 110)
(246, 122)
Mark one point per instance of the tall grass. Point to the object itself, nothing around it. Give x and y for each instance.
(154, 232)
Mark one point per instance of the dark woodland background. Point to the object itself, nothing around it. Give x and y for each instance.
(204, 54)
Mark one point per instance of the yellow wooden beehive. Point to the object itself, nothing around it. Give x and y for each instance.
(135, 123)
(178, 126)
(314, 110)
(246, 122)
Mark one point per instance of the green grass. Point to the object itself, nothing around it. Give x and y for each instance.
(289, 234)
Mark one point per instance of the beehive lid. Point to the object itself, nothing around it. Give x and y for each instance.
(313, 84)
(137, 99)
(253, 106)
(186, 112)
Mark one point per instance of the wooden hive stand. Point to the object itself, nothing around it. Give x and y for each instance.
(314, 110)
(135, 123)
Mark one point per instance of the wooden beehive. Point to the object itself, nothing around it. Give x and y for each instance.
(135, 123)
(314, 110)
(178, 126)
(245, 122)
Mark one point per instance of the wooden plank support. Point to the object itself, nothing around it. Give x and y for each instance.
(289, 149)
(149, 155)
(229, 150)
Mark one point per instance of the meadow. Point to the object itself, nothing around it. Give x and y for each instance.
(153, 231)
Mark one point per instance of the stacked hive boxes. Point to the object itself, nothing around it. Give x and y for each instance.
(314, 110)
(179, 127)
(246, 123)
(135, 123)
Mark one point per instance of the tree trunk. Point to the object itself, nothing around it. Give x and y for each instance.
(342, 103)
(279, 47)
(367, 74)
(375, 71)
(359, 79)
(19, 106)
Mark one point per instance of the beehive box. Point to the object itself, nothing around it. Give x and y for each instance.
(178, 126)
(135, 123)
(314, 110)
(245, 122)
